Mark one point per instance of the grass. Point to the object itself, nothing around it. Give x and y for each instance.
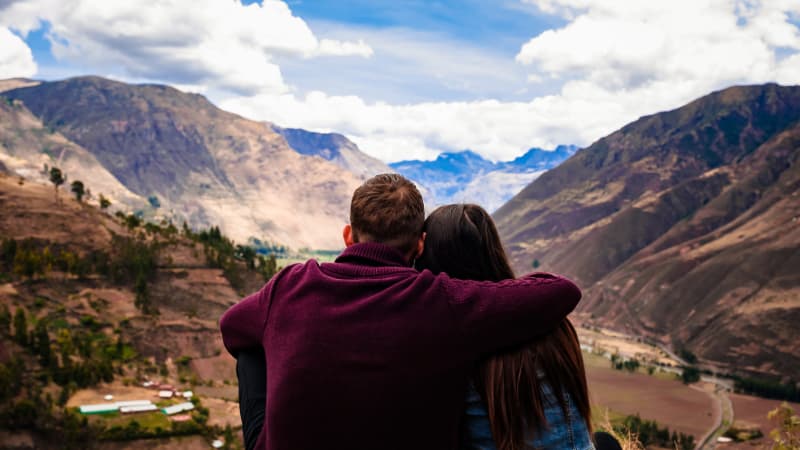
(604, 419)
(594, 360)
(147, 421)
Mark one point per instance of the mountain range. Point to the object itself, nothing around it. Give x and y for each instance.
(468, 177)
(172, 155)
(682, 226)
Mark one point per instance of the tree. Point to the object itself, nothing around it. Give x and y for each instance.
(267, 266)
(5, 319)
(690, 375)
(77, 188)
(787, 435)
(247, 253)
(142, 300)
(227, 435)
(687, 356)
(42, 343)
(104, 202)
(535, 264)
(8, 250)
(20, 327)
(57, 178)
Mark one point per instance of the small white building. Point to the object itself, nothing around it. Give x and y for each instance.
(101, 408)
(138, 408)
(165, 394)
(133, 403)
(179, 408)
(187, 394)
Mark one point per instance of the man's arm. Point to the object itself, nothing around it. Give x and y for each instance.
(497, 315)
(242, 325)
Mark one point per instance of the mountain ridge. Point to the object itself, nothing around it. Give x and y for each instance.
(333, 147)
(203, 164)
(627, 216)
(466, 176)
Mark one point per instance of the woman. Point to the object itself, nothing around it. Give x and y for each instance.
(534, 396)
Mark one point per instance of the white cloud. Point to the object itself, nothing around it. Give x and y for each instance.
(623, 45)
(407, 66)
(613, 61)
(498, 130)
(339, 48)
(216, 43)
(616, 60)
(16, 59)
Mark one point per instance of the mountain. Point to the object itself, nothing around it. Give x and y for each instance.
(335, 148)
(75, 276)
(538, 159)
(27, 147)
(682, 226)
(198, 162)
(468, 177)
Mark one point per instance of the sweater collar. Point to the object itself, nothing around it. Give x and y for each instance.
(372, 254)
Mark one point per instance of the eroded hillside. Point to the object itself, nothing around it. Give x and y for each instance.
(682, 226)
(102, 302)
(199, 162)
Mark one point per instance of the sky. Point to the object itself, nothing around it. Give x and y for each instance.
(409, 79)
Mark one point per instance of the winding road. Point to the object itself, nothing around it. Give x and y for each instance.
(722, 409)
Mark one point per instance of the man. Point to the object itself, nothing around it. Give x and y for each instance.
(368, 353)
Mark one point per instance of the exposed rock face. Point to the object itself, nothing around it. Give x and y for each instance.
(682, 225)
(335, 148)
(27, 147)
(201, 163)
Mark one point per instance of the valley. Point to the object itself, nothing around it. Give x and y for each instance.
(704, 410)
(681, 228)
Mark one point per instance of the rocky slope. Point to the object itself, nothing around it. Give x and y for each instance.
(199, 162)
(335, 148)
(83, 294)
(468, 177)
(682, 226)
(28, 147)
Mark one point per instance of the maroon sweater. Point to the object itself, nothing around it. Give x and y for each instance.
(367, 353)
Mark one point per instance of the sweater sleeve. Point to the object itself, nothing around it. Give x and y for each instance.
(497, 315)
(242, 325)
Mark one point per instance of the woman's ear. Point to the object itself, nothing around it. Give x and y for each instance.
(347, 235)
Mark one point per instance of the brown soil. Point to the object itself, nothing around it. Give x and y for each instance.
(667, 402)
(751, 412)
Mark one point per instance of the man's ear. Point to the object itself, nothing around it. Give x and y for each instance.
(347, 235)
(420, 245)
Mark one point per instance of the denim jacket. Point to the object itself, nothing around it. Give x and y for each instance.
(563, 431)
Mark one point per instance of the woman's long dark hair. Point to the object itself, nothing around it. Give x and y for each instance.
(463, 242)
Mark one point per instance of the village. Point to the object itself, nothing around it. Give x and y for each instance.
(166, 400)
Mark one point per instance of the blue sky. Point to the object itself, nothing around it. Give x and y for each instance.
(488, 30)
(410, 79)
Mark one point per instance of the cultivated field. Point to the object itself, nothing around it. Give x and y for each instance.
(668, 402)
(751, 412)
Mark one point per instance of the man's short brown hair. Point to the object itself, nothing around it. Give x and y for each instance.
(388, 209)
